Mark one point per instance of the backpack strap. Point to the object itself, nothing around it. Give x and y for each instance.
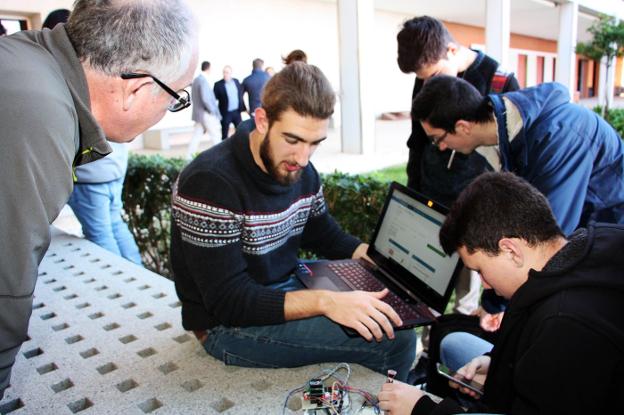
(499, 81)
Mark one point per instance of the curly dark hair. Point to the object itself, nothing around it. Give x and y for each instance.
(422, 41)
(496, 206)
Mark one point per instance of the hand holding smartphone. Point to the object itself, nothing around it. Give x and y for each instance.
(460, 380)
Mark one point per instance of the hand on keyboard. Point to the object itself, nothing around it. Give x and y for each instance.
(364, 312)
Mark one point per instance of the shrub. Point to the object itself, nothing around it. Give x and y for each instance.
(396, 173)
(354, 201)
(615, 117)
(147, 197)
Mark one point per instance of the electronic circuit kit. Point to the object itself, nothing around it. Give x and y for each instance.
(329, 393)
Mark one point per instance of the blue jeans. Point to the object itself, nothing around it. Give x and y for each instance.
(308, 341)
(459, 348)
(98, 209)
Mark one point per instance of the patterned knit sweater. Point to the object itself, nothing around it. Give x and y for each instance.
(235, 230)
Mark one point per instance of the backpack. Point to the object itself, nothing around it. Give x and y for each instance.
(500, 80)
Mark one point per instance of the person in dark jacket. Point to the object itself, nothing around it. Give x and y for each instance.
(561, 344)
(254, 83)
(229, 92)
(569, 153)
(426, 48)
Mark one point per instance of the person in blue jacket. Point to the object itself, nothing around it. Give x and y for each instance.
(569, 153)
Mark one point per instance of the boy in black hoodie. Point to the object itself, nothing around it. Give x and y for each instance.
(561, 343)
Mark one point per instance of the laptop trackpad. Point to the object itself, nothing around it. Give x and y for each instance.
(321, 283)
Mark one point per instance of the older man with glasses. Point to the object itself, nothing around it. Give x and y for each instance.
(64, 93)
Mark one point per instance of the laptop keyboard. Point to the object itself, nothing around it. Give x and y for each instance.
(359, 278)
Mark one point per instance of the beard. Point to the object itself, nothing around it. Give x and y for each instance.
(272, 166)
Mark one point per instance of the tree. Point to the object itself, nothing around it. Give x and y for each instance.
(607, 42)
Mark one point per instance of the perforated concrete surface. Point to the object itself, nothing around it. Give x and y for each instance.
(106, 338)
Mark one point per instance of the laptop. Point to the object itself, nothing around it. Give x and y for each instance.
(408, 260)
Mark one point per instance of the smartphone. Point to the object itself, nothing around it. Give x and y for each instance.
(450, 375)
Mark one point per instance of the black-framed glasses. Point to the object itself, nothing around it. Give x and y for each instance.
(182, 97)
(437, 140)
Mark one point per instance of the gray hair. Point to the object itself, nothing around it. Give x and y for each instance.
(116, 36)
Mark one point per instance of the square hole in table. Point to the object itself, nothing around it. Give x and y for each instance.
(62, 385)
(128, 339)
(126, 385)
(89, 353)
(150, 405)
(107, 368)
(147, 352)
(80, 405)
(47, 368)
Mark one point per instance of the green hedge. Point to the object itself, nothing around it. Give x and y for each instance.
(615, 117)
(355, 202)
(146, 198)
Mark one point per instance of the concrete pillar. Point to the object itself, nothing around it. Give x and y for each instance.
(356, 28)
(548, 68)
(531, 73)
(611, 83)
(497, 30)
(607, 79)
(566, 56)
(512, 63)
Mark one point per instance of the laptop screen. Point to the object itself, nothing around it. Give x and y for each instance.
(407, 240)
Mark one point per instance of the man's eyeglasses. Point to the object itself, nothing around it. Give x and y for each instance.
(437, 140)
(183, 99)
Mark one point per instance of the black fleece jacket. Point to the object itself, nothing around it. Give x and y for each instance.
(561, 344)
